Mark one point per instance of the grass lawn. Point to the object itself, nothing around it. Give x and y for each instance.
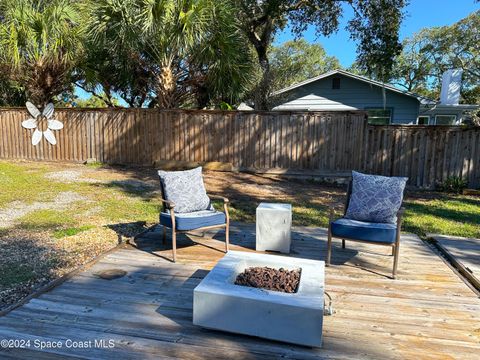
(426, 211)
(439, 213)
(55, 217)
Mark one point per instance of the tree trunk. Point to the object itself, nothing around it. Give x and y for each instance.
(202, 96)
(260, 42)
(166, 88)
(263, 88)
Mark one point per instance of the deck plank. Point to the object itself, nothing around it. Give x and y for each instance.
(427, 312)
(464, 253)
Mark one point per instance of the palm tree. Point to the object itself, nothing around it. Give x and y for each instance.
(229, 59)
(115, 62)
(189, 47)
(10, 93)
(40, 44)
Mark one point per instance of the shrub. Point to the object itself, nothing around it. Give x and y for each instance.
(453, 184)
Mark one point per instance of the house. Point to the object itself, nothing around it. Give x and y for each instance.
(340, 90)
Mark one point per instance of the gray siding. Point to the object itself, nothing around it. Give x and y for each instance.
(353, 95)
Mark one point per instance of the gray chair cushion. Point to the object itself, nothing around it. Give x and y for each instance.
(186, 189)
(375, 198)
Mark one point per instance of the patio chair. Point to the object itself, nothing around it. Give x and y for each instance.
(187, 207)
(375, 219)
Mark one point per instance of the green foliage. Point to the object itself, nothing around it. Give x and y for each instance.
(14, 273)
(122, 209)
(40, 44)
(448, 214)
(22, 183)
(93, 102)
(375, 28)
(173, 53)
(58, 234)
(412, 67)
(45, 220)
(149, 52)
(432, 51)
(95, 164)
(436, 213)
(11, 94)
(114, 63)
(108, 203)
(298, 60)
(225, 106)
(453, 184)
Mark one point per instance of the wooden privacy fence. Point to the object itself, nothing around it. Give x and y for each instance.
(315, 142)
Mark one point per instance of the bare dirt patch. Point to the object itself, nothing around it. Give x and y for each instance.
(65, 175)
(17, 209)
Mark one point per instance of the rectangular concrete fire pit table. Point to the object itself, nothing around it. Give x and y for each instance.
(290, 317)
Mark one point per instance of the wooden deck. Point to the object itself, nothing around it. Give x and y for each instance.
(463, 253)
(428, 312)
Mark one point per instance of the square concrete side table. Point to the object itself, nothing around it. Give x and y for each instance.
(274, 222)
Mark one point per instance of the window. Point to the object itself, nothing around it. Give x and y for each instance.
(423, 120)
(445, 119)
(336, 83)
(379, 116)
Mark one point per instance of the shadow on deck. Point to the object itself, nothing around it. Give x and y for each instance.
(428, 312)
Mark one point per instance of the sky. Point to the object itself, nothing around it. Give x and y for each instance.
(420, 14)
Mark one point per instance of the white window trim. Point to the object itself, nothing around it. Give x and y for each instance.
(424, 116)
(454, 115)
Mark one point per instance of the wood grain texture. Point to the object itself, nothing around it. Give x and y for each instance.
(428, 312)
(328, 142)
(463, 253)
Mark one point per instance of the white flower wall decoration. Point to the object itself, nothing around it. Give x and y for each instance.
(43, 123)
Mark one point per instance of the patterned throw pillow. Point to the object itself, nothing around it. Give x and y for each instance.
(186, 189)
(375, 198)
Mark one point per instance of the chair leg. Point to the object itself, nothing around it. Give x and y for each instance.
(395, 260)
(396, 246)
(227, 237)
(164, 235)
(393, 250)
(343, 243)
(329, 246)
(174, 245)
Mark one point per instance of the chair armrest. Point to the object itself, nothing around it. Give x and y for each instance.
(215, 197)
(225, 205)
(170, 204)
(332, 213)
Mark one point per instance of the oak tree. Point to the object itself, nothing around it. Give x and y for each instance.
(374, 27)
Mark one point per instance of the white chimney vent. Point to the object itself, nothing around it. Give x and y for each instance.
(451, 85)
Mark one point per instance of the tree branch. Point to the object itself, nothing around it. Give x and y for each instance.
(107, 101)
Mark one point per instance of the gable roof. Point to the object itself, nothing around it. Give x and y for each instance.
(356, 77)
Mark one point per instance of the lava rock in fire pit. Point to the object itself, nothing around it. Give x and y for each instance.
(270, 279)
